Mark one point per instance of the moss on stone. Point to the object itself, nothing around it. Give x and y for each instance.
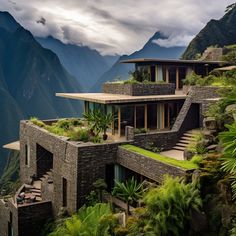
(179, 163)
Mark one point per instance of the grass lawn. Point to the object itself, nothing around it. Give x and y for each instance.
(182, 164)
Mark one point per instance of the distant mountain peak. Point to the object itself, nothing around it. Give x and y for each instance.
(8, 22)
(216, 32)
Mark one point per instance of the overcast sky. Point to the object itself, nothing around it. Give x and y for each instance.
(115, 26)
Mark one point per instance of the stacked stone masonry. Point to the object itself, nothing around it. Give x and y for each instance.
(139, 89)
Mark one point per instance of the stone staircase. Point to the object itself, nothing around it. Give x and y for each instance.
(47, 177)
(35, 189)
(185, 140)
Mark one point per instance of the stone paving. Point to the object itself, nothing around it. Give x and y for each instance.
(176, 154)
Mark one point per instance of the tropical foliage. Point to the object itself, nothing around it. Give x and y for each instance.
(170, 207)
(228, 139)
(98, 121)
(130, 191)
(91, 221)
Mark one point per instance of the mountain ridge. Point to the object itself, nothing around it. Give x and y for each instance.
(216, 32)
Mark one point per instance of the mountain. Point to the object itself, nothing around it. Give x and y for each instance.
(86, 64)
(217, 32)
(30, 75)
(150, 49)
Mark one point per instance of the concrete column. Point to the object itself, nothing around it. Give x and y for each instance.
(119, 122)
(177, 78)
(145, 116)
(167, 75)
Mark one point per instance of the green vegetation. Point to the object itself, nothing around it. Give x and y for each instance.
(228, 139)
(98, 122)
(130, 191)
(170, 207)
(140, 131)
(220, 32)
(76, 129)
(197, 145)
(72, 128)
(9, 181)
(156, 156)
(95, 220)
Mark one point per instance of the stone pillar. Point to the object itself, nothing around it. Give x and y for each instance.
(177, 78)
(129, 133)
(167, 75)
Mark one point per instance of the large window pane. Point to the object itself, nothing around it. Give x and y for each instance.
(140, 116)
(127, 117)
(152, 116)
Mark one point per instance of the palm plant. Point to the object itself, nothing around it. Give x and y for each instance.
(228, 139)
(170, 206)
(130, 191)
(91, 221)
(98, 121)
(105, 123)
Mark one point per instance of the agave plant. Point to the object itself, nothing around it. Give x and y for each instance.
(130, 191)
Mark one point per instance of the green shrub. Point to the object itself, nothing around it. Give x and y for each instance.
(170, 207)
(200, 148)
(79, 135)
(197, 159)
(191, 79)
(37, 122)
(140, 131)
(96, 139)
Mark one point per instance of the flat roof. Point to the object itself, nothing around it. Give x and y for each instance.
(179, 61)
(107, 98)
(13, 146)
(226, 68)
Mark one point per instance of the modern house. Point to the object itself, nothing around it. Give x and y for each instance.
(57, 173)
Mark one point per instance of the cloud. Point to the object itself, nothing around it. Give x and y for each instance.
(115, 26)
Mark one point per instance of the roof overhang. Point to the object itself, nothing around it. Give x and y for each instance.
(13, 146)
(175, 61)
(107, 98)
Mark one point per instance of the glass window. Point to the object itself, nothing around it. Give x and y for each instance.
(152, 116)
(140, 116)
(127, 117)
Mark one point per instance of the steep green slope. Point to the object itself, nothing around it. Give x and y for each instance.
(30, 75)
(10, 179)
(217, 32)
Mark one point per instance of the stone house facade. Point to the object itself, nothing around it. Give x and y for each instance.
(62, 172)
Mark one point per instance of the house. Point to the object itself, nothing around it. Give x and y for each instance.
(57, 173)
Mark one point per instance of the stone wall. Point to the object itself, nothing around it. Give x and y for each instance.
(32, 217)
(163, 140)
(65, 156)
(146, 166)
(140, 89)
(186, 119)
(92, 162)
(81, 164)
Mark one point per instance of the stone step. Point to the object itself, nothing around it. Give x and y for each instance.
(36, 194)
(179, 148)
(35, 190)
(42, 178)
(190, 139)
(37, 184)
(188, 135)
(185, 141)
(181, 144)
(38, 199)
(48, 173)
